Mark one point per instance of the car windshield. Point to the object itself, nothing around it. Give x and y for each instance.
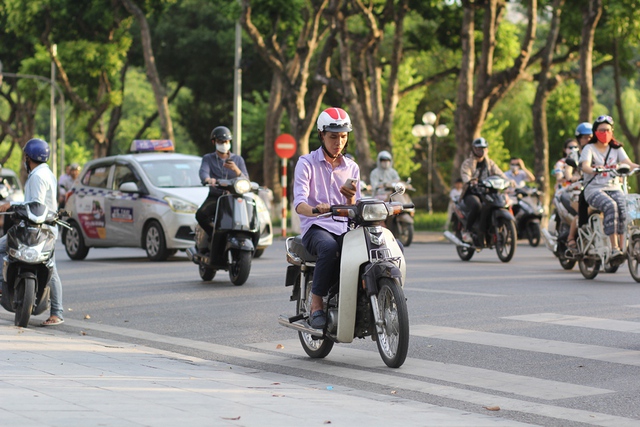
(171, 173)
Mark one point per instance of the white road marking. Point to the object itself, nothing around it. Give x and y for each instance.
(515, 342)
(390, 380)
(438, 291)
(581, 321)
(475, 377)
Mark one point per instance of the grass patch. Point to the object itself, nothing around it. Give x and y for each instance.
(425, 222)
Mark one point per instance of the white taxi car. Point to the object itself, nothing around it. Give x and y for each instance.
(147, 199)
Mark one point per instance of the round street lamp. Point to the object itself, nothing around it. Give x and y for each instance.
(426, 131)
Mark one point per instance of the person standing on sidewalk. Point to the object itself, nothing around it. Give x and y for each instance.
(41, 187)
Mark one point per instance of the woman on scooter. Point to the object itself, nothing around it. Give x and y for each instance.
(603, 191)
(323, 178)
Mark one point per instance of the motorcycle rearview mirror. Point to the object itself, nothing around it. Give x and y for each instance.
(623, 168)
(398, 188)
(571, 162)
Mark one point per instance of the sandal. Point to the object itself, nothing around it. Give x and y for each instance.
(571, 244)
(52, 321)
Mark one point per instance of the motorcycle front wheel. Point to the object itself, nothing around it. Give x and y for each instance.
(314, 347)
(240, 267)
(633, 257)
(505, 239)
(533, 233)
(567, 263)
(25, 294)
(393, 342)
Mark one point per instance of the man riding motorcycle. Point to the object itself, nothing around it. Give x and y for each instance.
(477, 167)
(323, 178)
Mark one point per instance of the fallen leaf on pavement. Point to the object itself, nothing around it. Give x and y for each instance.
(279, 346)
(86, 316)
(232, 419)
(492, 408)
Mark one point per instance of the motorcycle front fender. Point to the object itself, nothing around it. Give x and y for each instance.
(243, 243)
(355, 245)
(502, 213)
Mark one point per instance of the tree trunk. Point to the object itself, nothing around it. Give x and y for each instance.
(152, 72)
(270, 161)
(546, 84)
(590, 17)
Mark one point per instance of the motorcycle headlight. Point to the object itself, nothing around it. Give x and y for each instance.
(31, 255)
(242, 186)
(181, 206)
(375, 212)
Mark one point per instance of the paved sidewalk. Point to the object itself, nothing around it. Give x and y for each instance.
(53, 378)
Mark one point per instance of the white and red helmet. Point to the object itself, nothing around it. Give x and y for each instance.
(334, 119)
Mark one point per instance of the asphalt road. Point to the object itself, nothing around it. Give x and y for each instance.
(543, 345)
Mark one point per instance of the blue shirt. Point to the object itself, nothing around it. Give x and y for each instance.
(316, 182)
(212, 167)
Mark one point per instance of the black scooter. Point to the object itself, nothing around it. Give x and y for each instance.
(528, 214)
(235, 236)
(29, 261)
(496, 226)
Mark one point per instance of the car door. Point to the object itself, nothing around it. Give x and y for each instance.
(89, 205)
(122, 208)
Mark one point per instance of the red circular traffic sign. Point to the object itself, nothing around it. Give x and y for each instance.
(285, 146)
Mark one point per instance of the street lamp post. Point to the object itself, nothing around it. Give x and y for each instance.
(426, 131)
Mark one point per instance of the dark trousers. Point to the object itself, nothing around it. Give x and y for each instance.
(326, 246)
(473, 205)
(206, 212)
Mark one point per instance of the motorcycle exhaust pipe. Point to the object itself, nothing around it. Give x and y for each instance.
(549, 240)
(300, 326)
(453, 239)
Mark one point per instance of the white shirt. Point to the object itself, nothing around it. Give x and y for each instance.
(41, 187)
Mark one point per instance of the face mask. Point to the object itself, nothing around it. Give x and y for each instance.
(223, 148)
(385, 164)
(604, 137)
(514, 169)
(26, 166)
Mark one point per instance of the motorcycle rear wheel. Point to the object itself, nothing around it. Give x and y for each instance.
(404, 233)
(240, 268)
(465, 254)
(589, 267)
(206, 273)
(633, 257)
(506, 239)
(25, 294)
(314, 347)
(393, 342)
(533, 233)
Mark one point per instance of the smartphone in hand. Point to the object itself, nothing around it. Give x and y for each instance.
(352, 182)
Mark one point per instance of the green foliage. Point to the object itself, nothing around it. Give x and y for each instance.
(492, 131)
(423, 221)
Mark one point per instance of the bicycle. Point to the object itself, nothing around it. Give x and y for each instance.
(594, 246)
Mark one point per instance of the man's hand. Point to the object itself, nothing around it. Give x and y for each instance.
(349, 192)
(5, 207)
(210, 181)
(323, 207)
(231, 165)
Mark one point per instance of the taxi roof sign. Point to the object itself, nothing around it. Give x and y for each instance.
(151, 145)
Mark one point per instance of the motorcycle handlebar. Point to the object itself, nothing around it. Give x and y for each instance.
(408, 206)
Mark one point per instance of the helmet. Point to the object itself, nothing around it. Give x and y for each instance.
(480, 143)
(384, 155)
(222, 133)
(584, 128)
(37, 150)
(334, 119)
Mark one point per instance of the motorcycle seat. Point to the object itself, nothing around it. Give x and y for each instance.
(297, 247)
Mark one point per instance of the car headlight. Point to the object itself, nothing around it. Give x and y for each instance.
(181, 206)
(242, 186)
(375, 212)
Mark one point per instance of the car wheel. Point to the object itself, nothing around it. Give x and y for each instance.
(74, 242)
(155, 243)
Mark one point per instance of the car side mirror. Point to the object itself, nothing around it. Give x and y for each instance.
(129, 187)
